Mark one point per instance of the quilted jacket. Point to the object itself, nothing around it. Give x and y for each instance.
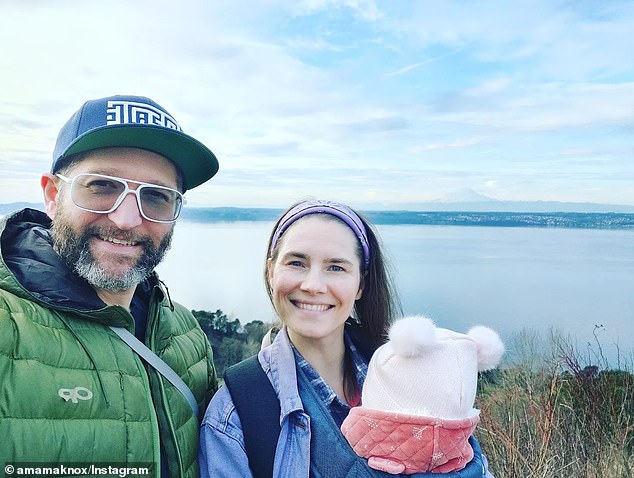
(71, 391)
(400, 443)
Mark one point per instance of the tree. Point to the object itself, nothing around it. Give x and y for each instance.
(255, 331)
(231, 342)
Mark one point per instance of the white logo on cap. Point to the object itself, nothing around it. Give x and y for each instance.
(133, 112)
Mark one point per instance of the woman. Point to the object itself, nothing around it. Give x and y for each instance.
(328, 283)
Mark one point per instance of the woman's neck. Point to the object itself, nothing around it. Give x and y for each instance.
(327, 357)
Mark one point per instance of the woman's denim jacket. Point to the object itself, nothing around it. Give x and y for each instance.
(222, 452)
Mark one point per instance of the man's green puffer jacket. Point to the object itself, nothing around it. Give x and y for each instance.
(71, 391)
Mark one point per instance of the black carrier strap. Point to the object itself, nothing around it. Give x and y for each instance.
(259, 410)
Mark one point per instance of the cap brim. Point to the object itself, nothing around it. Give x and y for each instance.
(196, 162)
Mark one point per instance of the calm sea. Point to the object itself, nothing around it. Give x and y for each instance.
(580, 281)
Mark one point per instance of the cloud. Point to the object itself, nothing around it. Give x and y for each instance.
(408, 68)
(354, 98)
(457, 144)
(364, 9)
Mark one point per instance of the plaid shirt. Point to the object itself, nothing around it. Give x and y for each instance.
(338, 408)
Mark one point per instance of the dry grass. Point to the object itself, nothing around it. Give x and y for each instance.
(551, 414)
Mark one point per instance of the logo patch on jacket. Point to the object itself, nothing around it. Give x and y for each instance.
(75, 394)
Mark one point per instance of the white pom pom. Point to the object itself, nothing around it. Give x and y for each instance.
(490, 347)
(410, 336)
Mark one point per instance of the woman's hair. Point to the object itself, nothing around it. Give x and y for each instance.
(379, 303)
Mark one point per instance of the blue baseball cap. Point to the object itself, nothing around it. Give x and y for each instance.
(135, 122)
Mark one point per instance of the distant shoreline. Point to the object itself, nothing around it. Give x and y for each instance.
(568, 220)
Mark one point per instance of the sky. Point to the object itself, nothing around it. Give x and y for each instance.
(380, 104)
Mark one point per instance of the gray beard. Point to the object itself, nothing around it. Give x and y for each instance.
(74, 249)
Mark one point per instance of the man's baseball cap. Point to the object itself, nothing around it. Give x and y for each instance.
(135, 122)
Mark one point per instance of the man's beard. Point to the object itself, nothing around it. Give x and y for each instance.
(75, 251)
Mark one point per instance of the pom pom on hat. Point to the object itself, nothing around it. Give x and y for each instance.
(490, 347)
(411, 335)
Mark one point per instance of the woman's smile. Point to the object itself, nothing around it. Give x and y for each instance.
(311, 307)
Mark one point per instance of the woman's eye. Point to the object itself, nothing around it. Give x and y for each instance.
(334, 268)
(295, 264)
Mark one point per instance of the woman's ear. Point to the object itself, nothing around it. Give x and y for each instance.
(51, 193)
(361, 286)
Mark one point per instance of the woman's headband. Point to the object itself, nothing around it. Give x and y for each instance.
(341, 211)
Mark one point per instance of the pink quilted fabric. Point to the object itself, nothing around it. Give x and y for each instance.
(400, 443)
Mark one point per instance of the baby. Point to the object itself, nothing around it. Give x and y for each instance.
(416, 412)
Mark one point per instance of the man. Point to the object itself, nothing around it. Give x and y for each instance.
(72, 391)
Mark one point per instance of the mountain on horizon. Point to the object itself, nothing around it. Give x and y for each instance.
(469, 200)
(463, 195)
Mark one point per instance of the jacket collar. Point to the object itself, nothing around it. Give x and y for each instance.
(278, 362)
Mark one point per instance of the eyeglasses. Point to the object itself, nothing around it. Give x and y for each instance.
(103, 194)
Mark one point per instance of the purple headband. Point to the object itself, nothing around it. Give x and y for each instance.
(343, 212)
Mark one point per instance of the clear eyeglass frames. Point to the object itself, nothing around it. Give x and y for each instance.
(103, 194)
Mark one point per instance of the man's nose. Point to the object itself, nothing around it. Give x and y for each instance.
(127, 215)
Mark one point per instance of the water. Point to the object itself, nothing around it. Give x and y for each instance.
(580, 281)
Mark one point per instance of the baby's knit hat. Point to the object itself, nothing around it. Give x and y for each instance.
(429, 371)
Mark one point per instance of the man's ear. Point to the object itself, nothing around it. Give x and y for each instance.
(51, 192)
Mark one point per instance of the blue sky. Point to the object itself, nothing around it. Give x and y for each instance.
(381, 104)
